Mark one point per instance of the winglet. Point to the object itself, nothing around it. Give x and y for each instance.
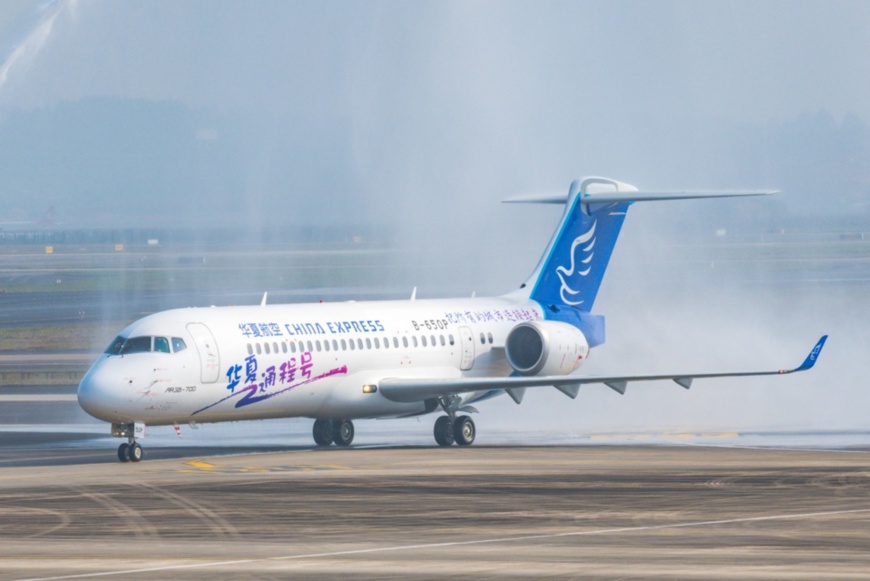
(813, 356)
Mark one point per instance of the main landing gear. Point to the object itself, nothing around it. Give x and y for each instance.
(452, 428)
(460, 430)
(339, 432)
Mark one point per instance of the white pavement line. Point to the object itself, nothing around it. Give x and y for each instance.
(763, 448)
(36, 397)
(703, 523)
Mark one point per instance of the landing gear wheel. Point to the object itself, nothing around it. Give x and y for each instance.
(464, 430)
(122, 452)
(444, 431)
(322, 432)
(342, 432)
(134, 452)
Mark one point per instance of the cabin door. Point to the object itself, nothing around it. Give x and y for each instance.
(209, 357)
(467, 340)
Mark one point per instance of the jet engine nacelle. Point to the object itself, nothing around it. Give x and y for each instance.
(545, 348)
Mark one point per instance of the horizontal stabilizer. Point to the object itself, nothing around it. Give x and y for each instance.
(637, 196)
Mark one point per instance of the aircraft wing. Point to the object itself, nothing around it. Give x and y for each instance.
(411, 390)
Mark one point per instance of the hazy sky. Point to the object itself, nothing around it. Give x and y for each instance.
(602, 63)
(534, 82)
(428, 104)
(429, 113)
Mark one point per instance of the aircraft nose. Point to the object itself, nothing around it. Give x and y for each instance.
(96, 394)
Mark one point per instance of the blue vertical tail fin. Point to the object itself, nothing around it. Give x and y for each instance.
(572, 268)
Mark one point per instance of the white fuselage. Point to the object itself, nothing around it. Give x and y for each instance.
(304, 360)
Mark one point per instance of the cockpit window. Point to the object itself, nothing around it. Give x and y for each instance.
(124, 346)
(161, 344)
(136, 345)
(115, 347)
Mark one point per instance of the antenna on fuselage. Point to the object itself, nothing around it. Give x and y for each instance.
(414, 294)
(265, 296)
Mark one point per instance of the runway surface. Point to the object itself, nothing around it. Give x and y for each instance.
(596, 512)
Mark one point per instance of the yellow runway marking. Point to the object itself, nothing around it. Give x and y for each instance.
(203, 466)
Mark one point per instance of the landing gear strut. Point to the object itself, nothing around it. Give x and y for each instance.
(326, 432)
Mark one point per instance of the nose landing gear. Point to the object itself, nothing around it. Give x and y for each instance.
(129, 451)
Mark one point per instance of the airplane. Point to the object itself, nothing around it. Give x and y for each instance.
(338, 362)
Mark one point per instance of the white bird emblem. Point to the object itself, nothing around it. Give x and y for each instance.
(565, 274)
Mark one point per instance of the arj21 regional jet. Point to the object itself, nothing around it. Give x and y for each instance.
(381, 359)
